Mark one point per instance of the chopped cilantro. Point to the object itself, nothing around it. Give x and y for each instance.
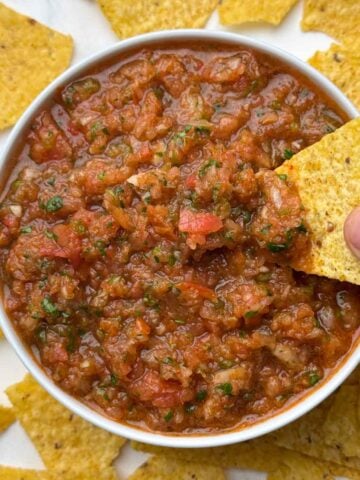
(283, 177)
(168, 416)
(27, 229)
(277, 247)
(211, 163)
(168, 360)
(179, 321)
(251, 314)
(201, 395)
(313, 378)
(53, 204)
(114, 379)
(225, 388)
(100, 245)
(49, 307)
(288, 153)
(51, 235)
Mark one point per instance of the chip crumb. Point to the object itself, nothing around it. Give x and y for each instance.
(32, 55)
(60, 437)
(235, 12)
(155, 15)
(321, 168)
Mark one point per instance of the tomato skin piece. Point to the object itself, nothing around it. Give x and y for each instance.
(190, 182)
(199, 222)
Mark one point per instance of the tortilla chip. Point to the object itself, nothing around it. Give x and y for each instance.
(7, 417)
(59, 435)
(342, 427)
(140, 16)
(303, 468)
(338, 18)
(353, 378)
(342, 66)
(31, 56)
(11, 473)
(306, 436)
(163, 468)
(327, 175)
(235, 12)
(1, 334)
(346, 472)
(8, 473)
(256, 455)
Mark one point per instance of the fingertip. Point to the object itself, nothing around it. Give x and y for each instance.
(352, 231)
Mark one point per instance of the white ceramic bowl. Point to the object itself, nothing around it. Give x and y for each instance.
(292, 412)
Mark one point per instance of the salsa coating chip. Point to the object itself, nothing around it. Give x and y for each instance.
(140, 16)
(31, 56)
(59, 435)
(341, 65)
(163, 468)
(327, 175)
(235, 12)
(7, 417)
(338, 18)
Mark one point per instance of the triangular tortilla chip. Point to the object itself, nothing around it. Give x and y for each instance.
(327, 175)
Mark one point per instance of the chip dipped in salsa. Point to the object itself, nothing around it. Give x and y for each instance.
(146, 240)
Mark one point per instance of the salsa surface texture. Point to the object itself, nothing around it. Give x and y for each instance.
(145, 241)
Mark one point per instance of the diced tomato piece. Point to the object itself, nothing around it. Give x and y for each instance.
(199, 222)
(190, 182)
(202, 291)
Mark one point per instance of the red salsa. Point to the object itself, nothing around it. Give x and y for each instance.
(145, 240)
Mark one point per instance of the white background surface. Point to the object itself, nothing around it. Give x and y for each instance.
(91, 33)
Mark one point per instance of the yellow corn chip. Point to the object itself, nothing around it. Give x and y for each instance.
(7, 417)
(342, 427)
(354, 378)
(140, 16)
(163, 468)
(1, 334)
(235, 12)
(327, 175)
(8, 473)
(11, 473)
(338, 18)
(306, 436)
(342, 66)
(66, 443)
(346, 472)
(31, 56)
(256, 455)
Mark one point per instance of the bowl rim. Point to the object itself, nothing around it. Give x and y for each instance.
(263, 425)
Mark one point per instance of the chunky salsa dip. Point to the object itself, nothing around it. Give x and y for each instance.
(145, 240)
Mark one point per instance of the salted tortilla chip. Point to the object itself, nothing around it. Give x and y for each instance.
(327, 175)
(353, 378)
(301, 468)
(342, 426)
(163, 468)
(256, 455)
(11, 473)
(31, 56)
(235, 12)
(140, 16)
(306, 436)
(65, 442)
(7, 417)
(338, 18)
(342, 66)
(8, 473)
